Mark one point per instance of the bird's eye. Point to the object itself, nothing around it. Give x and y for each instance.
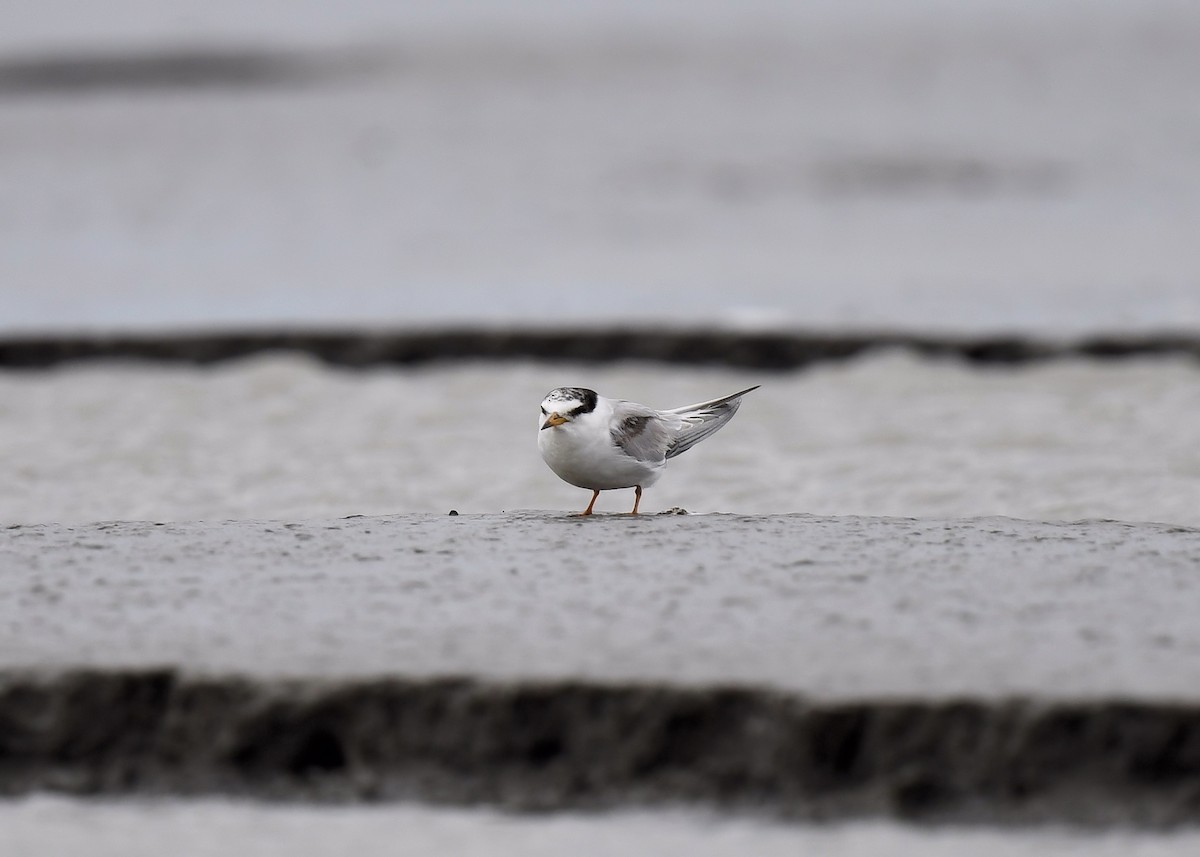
(543, 411)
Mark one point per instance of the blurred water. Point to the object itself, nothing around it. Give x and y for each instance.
(283, 437)
(45, 826)
(925, 165)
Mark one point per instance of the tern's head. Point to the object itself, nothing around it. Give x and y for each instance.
(565, 404)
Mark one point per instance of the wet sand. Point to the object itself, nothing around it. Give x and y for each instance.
(983, 670)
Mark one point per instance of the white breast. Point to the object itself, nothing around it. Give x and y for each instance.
(582, 453)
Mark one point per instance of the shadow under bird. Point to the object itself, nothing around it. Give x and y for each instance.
(602, 444)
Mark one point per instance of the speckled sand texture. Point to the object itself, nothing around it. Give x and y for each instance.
(827, 606)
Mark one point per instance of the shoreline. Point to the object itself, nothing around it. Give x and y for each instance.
(772, 351)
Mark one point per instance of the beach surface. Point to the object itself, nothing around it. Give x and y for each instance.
(835, 607)
(982, 670)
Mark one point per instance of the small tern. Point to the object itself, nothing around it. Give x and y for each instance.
(602, 444)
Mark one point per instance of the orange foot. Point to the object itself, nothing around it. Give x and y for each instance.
(588, 510)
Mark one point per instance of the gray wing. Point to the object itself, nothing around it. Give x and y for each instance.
(643, 433)
(700, 420)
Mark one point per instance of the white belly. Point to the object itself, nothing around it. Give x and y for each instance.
(591, 461)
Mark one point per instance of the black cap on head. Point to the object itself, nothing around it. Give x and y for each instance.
(586, 398)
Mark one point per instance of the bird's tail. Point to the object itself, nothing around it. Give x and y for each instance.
(702, 419)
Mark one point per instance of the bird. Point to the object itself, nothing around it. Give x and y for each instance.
(602, 444)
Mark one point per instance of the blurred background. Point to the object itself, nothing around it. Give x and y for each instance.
(992, 164)
(961, 167)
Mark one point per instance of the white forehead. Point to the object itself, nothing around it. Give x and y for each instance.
(561, 403)
(566, 398)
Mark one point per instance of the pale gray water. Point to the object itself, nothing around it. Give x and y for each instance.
(55, 827)
(925, 165)
(284, 437)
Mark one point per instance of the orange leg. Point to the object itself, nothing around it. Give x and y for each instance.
(637, 498)
(588, 510)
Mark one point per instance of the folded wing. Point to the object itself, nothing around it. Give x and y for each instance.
(643, 433)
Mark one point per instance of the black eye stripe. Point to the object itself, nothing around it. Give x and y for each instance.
(543, 410)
